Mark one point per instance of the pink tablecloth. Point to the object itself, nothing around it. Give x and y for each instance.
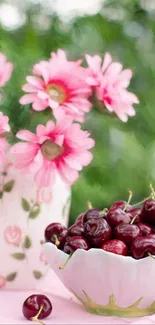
(66, 310)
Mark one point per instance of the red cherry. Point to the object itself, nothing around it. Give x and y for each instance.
(126, 233)
(136, 214)
(115, 246)
(80, 218)
(145, 229)
(56, 234)
(91, 213)
(117, 216)
(148, 211)
(97, 231)
(120, 205)
(77, 229)
(36, 307)
(75, 243)
(143, 246)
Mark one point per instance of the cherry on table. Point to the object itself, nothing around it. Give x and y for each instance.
(97, 231)
(126, 232)
(115, 246)
(36, 307)
(56, 234)
(143, 246)
(117, 216)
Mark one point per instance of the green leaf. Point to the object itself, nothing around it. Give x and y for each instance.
(25, 205)
(1, 195)
(9, 186)
(10, 277)
(37, 274)
(34, 212)
(19, 256)
(27, 242)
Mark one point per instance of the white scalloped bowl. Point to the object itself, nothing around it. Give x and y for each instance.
(97, 278)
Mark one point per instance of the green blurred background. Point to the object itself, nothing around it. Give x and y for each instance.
(124, 156)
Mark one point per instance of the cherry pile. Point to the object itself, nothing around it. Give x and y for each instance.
(123, 229)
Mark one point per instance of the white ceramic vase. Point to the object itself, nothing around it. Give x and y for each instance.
(25, 211)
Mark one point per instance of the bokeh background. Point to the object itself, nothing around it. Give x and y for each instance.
(124, 156)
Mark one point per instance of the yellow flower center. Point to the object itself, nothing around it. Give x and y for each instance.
(51, 150)
(57, 93)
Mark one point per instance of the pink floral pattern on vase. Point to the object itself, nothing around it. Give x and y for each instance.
(13, 235)
(42, 258)
(2, 282)
(44, 195)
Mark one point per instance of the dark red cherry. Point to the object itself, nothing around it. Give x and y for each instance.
(77, 229)
(80, 218)
(36, 307)
(136, 214)
(117, 216)
(145, 229)
(97, 231)
(56, 234)
(115, 246)
(126, 233)
(74, 243)
(92, 213)
(142, 246)
(120, 205)
(148, 211)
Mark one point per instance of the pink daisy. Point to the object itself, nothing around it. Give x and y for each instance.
(110, 83)
(62, 147)
(59, 84)
(5, 70)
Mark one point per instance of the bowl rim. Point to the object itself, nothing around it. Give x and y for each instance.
(101, 252)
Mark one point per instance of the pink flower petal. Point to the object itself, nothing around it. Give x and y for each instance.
(68, 174)
(27, 99)
(53, 104)
(27, 136)
(46, 175)
(29, 88)
(106, 62)
(37, 162)
(36, 82)
(39, 105)
(94, 62)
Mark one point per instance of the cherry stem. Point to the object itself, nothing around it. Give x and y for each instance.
(35, 318)
(57, 242)
(102, 213)
(133, 219)
(149, 254)
(152, 192)
(129, 199)
(89, 205)
(63, 266)
(134, 205)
